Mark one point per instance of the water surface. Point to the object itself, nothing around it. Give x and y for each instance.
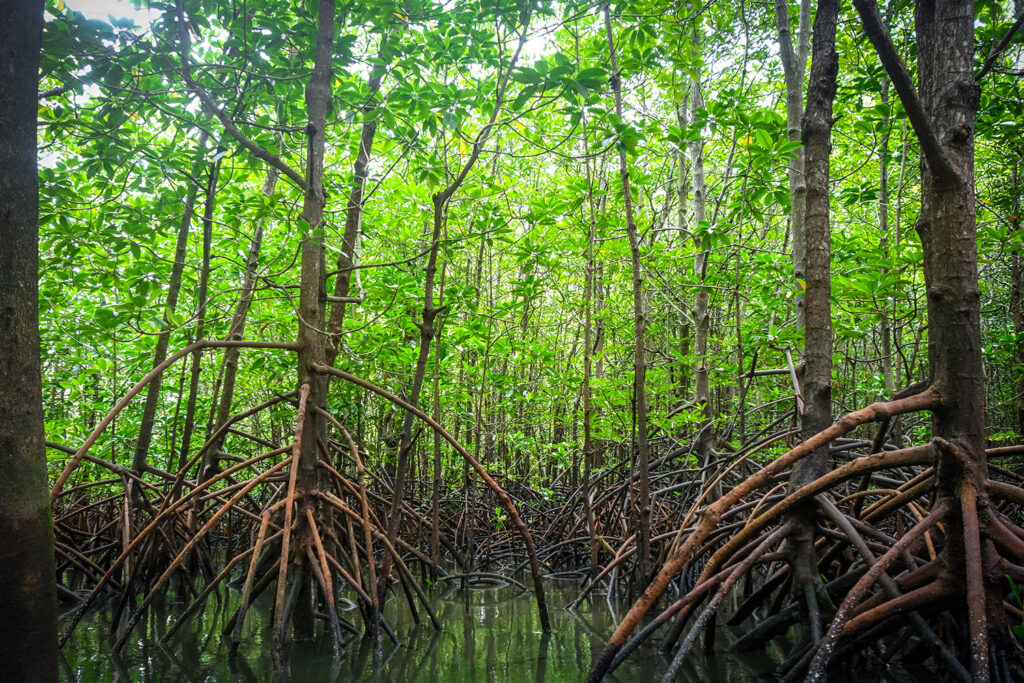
(491, 633)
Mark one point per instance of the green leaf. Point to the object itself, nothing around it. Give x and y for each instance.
(527, 76)
(763, 139)
(523, 97)
(592, 79)
(106, 318)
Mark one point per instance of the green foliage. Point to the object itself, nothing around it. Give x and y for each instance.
(121, 151)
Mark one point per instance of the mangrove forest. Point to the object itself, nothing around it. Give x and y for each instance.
(512, 340)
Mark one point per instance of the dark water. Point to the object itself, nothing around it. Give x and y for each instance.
(490, 634)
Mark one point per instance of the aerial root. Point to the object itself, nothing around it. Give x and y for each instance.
(176, 563)
(250, 579)
(816, 670)
(976, 613)
(687, 551)
(930, 577)
(709, 610)
(323, 574)
(506, 501)
(172, 528)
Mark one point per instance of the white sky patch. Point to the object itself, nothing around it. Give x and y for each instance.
(118, 9)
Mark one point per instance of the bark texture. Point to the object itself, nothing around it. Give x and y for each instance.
(642, 495)
(817, 131)
(28, 600)
(793, 65)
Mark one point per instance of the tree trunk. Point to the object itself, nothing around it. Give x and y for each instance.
(885, 328)
(702, 298)
(204, 280)
(236, 332)
(942, 112)
(588, 343)
(1017, 291)
(28, 600)
(312, 339)
(145, 436)
(435, 492)
(430, 311)
(642, 500)
(682, 381)
(949, 95)
(793, 65)
(817, 131)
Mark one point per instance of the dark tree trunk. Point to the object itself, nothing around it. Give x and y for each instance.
(942, 112)
(949, 95)
(28, 600)
(817, 131)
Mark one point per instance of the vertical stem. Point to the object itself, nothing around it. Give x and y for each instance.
(145, 434)
(817, 391)
(588, 406)
(1017, 288)
(430, 312)
(702, 298)
(885, 329)
(435, 494)
(793, 65)
(28, 625)
(289, 504)
(237, 328)
(204, 280)
(642, 500)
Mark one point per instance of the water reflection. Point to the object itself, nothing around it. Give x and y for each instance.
(492, 633)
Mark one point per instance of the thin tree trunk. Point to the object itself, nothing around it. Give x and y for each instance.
(885, 328)
(204, 279)
(430, 311)
(793, 64)
(312, 339)
(236, 331)
(682, 194)
(642, 500)
(145, 436)
(435, 494)
(702, 297)
(1017, 290)
(588, 335)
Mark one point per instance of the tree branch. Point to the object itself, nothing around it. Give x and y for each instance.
(999, 49)
(225, 120)
(938, 162)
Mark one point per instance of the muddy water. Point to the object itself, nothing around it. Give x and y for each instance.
(491, 633)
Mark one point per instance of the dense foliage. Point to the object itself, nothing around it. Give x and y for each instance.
(517, 197)
(123, 148)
